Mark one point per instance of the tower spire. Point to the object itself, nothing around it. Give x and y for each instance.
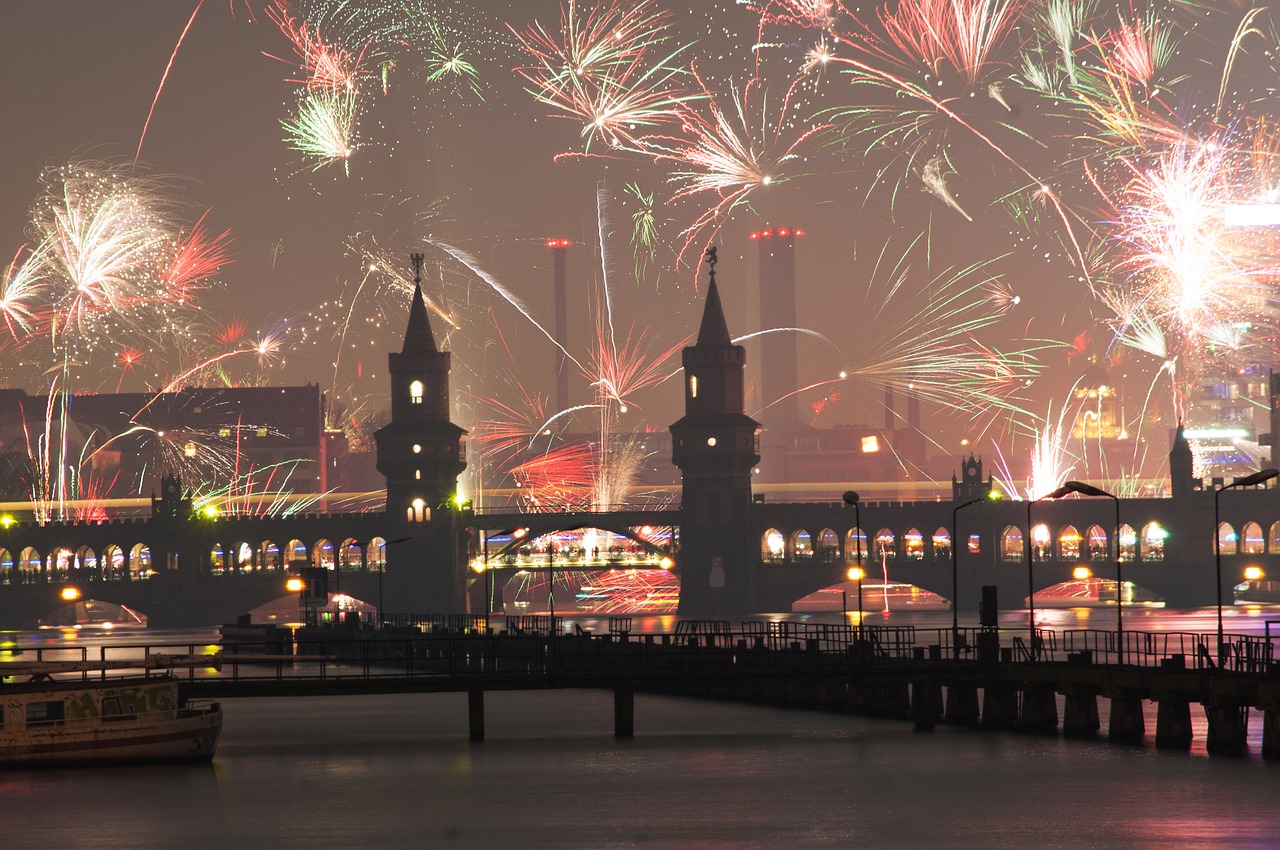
(714, 331)
(418, 338)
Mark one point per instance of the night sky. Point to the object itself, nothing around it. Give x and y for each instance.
(890, 179)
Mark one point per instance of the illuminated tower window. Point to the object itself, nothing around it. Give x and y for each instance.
(189, 450)
(693, 386)
(415, 392)
(418, 511)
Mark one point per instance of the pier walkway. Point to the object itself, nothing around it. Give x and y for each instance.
(970, 676)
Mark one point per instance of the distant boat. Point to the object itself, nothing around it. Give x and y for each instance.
(93, 614)
(130, 719)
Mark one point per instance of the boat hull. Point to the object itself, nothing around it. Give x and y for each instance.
(192, 736)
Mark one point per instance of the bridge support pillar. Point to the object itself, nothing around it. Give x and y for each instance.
(1173, 723)
(475, 714)
(1039, 710)
(962, 704)
(1080, 714)
(624, 712)
(1126, 725)
(999, 705)
(1228, 727)
(1271, 734)
(892, 699)
(926, 701)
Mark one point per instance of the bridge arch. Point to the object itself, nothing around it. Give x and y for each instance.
(30, 564)
(242, 557)
(1251, 542)
(1128, 543)
(773, 546)
(87, 561)
(1153, 535)
(886, 545)
(1068, 543)
(376, 554)
(113, 563)
(1273, 539)
(800, 546)
(140, 565)
(8, 568)
(941, 543)
(913, 545)
(1011, 549)
(1041, 543)
(217, 559)
(827, 548)
(351, 555)
(269, 555)
(1098, 545)
(58, 562)
(855, 546)
(322, 554)
(296, 553)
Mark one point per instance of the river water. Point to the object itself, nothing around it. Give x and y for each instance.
(398, 771)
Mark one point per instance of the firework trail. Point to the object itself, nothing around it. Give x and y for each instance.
(599, 70)
(164, 78)
(723, 154)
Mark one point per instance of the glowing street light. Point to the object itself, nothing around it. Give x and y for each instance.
(1031, 583)
(1248, 481)
(858, 574)
(955, 582)
(1089, 490)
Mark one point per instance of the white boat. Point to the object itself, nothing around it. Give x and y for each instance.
(133, 718)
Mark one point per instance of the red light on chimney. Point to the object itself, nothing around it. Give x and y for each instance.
(799, 233)
(559, 243)
(755, 235)
(782, 231)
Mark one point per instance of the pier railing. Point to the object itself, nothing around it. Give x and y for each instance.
(462, 647)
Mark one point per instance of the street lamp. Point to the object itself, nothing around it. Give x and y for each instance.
(382, 569)
(1031, 584)
(955, 578)
(1089, 490)
(850, 497)
(516, 534)
(858, 574)
(1248, 481)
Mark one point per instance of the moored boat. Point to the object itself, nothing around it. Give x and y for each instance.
(129, 719)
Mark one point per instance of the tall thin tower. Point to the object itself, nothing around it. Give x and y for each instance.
(559, 248)
(779, 368)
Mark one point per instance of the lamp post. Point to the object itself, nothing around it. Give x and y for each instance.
(1031, 584)
(858, 574)
(382, 569)
(551, 584)
(850, 497)
(955, 577)
(1248, 481)
(1089, 490)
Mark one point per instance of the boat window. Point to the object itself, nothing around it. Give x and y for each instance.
(44, 713)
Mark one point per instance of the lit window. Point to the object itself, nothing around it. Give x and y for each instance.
(189, 450)
(415, 392)
(871, 444)
(224, 432)
(693, 386)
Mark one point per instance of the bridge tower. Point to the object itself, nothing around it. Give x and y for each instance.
(1181, 466)
(421, 453)
(716, 446)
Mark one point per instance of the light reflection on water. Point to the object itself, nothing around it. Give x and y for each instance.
(397, 771)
